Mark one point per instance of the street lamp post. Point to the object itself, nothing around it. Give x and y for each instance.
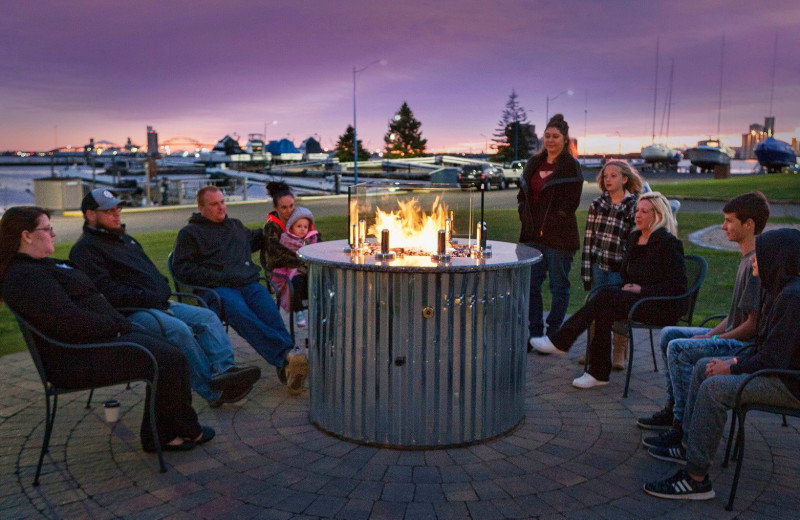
(553, 98)
(355, 133)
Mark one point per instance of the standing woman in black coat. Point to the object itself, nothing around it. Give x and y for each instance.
(549, 195)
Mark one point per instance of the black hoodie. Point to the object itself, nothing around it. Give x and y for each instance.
(215, 254)
(778, 340)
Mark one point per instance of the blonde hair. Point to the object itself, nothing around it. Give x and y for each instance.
(663, 213)
(633, 182)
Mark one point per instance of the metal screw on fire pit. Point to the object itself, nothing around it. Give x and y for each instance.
(441, 252)
(481, 249)
(385, 254)
(448, 229)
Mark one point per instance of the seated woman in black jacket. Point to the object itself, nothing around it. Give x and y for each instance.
(63, 303)
(653, 266)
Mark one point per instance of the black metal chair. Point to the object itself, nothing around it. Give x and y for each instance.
(33, 337)
(740, 412)
(696, 270)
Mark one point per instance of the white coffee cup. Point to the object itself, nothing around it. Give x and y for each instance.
(112, 410)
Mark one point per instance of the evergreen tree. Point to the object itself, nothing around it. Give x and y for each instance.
(404, 138)
(514, 130)
(344, 147)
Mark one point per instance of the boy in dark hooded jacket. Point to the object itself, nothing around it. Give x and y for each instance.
(715, 381)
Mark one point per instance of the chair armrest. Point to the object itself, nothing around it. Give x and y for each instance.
(762, 373)
(197, 299)
(656, 299)
(712, 318)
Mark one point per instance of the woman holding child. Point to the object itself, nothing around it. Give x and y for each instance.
(287, 229)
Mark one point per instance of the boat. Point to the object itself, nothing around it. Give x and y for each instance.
(775, 155)
(660, 153)
(709, 153)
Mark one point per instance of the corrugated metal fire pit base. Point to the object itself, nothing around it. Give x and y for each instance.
(418, 356)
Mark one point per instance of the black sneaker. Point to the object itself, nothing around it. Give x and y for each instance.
(665, 439)
(681, 487)
(235, 377)
(661, 420)
(231, 394)
(675, 454)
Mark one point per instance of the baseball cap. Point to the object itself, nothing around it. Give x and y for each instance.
(99, 199)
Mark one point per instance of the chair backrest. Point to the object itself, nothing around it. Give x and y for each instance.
(30, 334)
(696, 270)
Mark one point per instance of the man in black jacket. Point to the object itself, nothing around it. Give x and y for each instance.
(216, 251)
(121, 270)
(715, 382)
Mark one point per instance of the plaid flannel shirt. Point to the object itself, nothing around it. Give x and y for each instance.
(607, 229)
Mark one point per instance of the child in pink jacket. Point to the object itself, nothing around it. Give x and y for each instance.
(299, 232)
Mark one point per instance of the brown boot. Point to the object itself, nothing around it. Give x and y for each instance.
(620, 352)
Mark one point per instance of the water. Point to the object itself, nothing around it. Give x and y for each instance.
(16, 184)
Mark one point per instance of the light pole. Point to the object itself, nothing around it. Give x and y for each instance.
(355, 133)
(553, 98)
(619, 144)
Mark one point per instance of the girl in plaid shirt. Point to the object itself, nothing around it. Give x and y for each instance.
(610, 220)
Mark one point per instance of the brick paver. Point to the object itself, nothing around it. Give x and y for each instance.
(577, 454)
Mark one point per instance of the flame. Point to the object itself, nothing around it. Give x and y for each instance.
(410, 227)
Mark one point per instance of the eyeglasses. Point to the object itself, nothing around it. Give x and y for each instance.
(49, 229)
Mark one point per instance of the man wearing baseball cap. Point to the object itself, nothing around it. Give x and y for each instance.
(121, 270)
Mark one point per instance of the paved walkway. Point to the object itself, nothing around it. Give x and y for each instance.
(577, 455)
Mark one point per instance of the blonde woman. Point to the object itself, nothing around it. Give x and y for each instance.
(653, 266)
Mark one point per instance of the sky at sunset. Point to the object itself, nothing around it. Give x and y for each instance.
(77, 69)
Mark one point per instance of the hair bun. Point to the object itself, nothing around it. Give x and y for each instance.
(557, 117)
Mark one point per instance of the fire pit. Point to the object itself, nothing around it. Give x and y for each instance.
(416, 347)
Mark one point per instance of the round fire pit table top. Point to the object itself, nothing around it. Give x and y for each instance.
(504, 255)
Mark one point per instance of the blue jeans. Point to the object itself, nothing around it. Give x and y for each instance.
(680, 353)
(201, 337)
(707, 410)
(603, 277)
(252, 312)
(555, 264)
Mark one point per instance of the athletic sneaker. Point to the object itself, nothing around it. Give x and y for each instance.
(664, 439)
(675, 454)
(543, 345)
(681, 487)
(661, 420)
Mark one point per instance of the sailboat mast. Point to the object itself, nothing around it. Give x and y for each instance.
(772, 89)
(669, 98)
(655, 92)
(721, 67)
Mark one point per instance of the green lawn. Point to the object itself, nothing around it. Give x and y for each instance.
(503, 225)
(784, 186)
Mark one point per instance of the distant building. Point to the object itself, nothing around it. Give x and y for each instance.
(152, 142)
(751, 139)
